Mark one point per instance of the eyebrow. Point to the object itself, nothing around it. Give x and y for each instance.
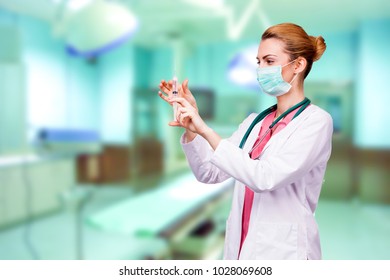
(264, 57)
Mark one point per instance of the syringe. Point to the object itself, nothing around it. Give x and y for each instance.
(175, 94)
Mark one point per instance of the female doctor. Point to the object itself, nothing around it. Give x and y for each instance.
(278, 157)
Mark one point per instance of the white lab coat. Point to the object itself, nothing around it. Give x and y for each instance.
(286, 180)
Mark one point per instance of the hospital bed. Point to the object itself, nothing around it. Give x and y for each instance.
(189, 215)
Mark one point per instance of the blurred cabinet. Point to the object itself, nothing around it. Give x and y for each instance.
(33, 189)
(143, 157)
(373, 175)
(112, 165)
(356, 172)
(115, 164)
(148, 157)
(340, 181)
(13, 196)
(351, 171)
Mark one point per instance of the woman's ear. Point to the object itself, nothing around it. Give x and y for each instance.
(300, 65)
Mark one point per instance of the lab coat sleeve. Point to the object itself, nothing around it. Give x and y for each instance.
(199, 153)
(308, 146)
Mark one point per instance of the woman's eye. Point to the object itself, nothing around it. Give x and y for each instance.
(270, 61)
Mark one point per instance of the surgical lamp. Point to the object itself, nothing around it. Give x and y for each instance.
(97, 28)
(242, 68)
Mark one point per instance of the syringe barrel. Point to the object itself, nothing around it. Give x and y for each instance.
(175, 94)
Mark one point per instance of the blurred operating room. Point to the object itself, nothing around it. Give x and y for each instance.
(90, 169)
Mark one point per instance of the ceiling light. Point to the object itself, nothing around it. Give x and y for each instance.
(242, 68)
(98, 27)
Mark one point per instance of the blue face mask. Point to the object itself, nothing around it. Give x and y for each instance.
(271, 80)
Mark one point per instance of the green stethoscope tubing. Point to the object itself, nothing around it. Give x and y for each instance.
(303, 104)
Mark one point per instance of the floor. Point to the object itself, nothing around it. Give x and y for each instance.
(56, 236)
(354, 230)
(349, 230)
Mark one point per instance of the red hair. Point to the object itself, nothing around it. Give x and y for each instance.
(297, 43)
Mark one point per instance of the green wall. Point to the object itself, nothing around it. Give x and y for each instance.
(372, 88)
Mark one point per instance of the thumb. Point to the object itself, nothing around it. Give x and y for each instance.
(174, 123)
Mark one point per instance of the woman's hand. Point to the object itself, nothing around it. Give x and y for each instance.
(187, 94)
(188, 116)
(183, 91)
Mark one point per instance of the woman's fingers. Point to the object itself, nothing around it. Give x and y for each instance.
(180, 111)
(182, 101)
(185, 85)
(166, 87)
(184, 98)
(183, 116)
(184, 89)
(174, 123)
(184, 110)
(164, 97)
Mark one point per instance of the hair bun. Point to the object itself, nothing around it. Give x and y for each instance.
(319, 47)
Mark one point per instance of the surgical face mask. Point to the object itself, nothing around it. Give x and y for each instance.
(271, 80)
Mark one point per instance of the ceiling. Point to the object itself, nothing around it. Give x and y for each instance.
(162, 20)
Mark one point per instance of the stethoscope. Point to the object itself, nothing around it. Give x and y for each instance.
(303, 104)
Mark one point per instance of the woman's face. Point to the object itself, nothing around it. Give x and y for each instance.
(271, 53)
